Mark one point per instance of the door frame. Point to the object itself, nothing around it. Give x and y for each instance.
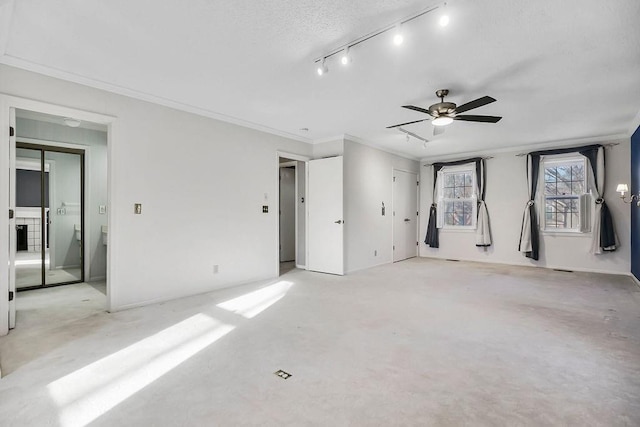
(294, 165)
(8, 104)
(85, 223)
(393, 196)
(298, 158)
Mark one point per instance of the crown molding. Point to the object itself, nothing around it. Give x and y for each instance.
(16, 62)
(531, 147)
(361, 141)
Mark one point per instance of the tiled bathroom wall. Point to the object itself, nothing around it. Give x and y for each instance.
(33, 233)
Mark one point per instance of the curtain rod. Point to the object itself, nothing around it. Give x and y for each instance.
(431, 164)
(609, 145)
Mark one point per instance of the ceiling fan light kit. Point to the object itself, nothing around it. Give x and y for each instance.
(444, 113)
(442, 121)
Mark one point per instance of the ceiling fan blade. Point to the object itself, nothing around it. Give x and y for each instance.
(437, 130)
(408, 123)
(483, 119)
(414, 108)
(474, 104)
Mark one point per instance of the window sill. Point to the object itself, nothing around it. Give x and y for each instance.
(565, 233)
(458, 230)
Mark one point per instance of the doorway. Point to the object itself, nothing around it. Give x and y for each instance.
(292, 224)
(405, 215)
(49, 192)
(39, 123)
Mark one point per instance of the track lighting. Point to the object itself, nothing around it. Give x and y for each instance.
(444, 18)
(418, 137)
(345, 59)
(322, 68)
(398, 37)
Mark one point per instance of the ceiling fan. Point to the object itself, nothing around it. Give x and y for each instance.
(444, 113)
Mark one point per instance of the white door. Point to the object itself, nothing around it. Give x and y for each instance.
(287, 214)
(325, 216)
(12, 222)
(405, 215)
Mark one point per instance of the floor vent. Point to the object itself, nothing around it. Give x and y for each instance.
(562, 271)
(282, 374)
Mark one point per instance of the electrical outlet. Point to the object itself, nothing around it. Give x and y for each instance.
(375, 253)
(215, 269)
(137, 208)
(265, 209)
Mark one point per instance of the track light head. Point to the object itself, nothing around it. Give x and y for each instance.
(398, 38)
(322, 68)
(345, 59)
(444, 17)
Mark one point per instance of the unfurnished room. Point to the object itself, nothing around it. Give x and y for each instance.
(303, 213)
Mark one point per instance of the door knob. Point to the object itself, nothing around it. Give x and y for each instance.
(407, 220)
(338, 221)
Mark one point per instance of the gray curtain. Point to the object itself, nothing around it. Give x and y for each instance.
(483, 232)
(603, 230)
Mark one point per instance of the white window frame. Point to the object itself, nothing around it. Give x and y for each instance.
(474, 198)
(585, 201)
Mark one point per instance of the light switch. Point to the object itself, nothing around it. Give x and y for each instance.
(102, 209)
(137, 208)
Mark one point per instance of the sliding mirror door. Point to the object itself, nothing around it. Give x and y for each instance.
(65, 234)
(49, 216)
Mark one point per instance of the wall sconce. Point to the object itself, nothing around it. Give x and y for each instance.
(623, 188)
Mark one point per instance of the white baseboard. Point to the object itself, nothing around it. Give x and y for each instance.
(635, 279)
(369, 266)
(525, 264)
(96, 279)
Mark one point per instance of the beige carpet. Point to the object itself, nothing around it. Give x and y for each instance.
(420, 342)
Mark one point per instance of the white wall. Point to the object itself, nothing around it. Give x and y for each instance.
(328, 149)
(200, 207)
(368, 181)
(506, 198)
(96, 169)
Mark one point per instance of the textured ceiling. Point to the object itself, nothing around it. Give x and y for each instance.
(560, 70)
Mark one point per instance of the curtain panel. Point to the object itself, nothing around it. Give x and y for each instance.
(604, 236)
(483, 232)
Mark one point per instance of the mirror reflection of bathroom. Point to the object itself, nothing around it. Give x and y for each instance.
(60, 238)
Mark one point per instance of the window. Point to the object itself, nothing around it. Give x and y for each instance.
(458, 201)
(566, 204)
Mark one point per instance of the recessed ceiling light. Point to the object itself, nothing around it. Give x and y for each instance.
(72, 123)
